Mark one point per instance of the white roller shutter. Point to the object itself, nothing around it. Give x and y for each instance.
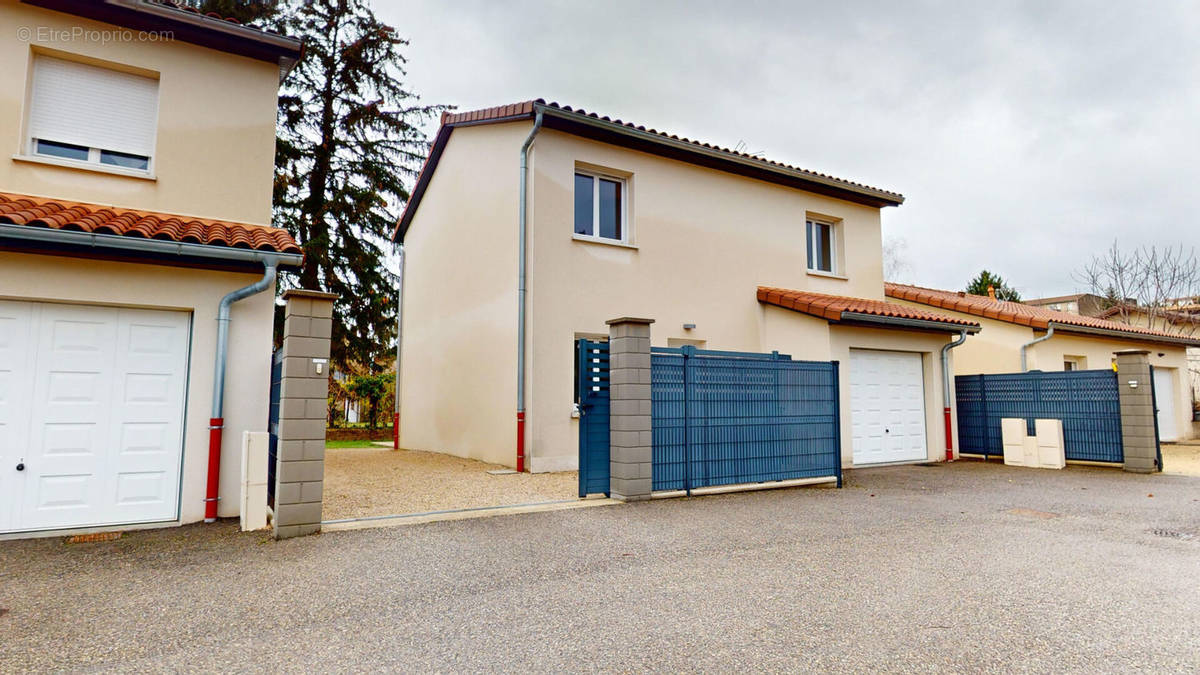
(94, 107)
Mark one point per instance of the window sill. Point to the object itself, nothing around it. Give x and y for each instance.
(85, 166)
(828, 275)
(602, 241)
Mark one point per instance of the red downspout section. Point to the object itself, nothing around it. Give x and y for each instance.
(949, 437)
(521, 441)
(215, 425)
(396, 431)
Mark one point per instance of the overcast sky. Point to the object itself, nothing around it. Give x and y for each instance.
(1025, 136)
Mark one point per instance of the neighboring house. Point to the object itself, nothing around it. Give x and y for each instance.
(1086, 304)
(348, 406)
(1184, 321)
(135, 193)
(1077, 343)
(723, 250)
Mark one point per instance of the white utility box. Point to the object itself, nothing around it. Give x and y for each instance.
(1052, 452)
(255, 445)
(1046, 450)
(1012, 435)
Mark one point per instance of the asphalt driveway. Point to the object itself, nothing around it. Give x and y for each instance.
(962, 567)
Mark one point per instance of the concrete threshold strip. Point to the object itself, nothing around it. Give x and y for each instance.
(398, 520)
(461, 514)
(745, 487)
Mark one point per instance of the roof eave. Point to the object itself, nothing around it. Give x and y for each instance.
(194, 28)
(810, 181)
(750, 166)
(138, 245)
(902, 322)
(1181, 340)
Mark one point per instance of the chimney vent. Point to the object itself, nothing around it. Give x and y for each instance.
(991, 291)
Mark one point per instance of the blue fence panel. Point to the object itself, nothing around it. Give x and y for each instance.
(722, 418)
(273, 424)
(1087, 402)
(592, 397)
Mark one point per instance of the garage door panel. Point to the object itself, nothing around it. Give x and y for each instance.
(887, 405)
(103, 428)
(152, 355)
(62, 492)
(16, 326)
(138, 489)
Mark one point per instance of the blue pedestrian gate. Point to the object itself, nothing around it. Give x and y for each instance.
(718, 418)
(1087, 402)
(591, 377)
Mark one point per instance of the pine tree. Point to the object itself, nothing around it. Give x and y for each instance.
(348, 139)
(979, 286)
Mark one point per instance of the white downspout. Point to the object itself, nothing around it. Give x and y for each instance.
(523, 223)
(399, 342)
(217, 422)
(962, 337)
(1049, 334)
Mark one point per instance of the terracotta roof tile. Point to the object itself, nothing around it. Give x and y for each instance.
(1017, 312)
(832, 307)
(94, 218)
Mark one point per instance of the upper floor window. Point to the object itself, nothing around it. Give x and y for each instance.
(88, 114)
(600, 206)
(822, 247)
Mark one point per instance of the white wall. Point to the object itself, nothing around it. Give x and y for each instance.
(458, 374)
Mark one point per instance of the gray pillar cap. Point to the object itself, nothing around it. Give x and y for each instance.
(1131, 352)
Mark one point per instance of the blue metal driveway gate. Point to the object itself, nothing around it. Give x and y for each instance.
(724, 418)
(273, 424)
(718, 418)
(1087, 402)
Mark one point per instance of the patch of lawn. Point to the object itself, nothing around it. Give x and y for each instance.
(351, 444)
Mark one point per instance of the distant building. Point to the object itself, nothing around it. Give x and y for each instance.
(1085, 304)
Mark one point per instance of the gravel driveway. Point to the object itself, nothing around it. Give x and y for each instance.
(375, 481)
(967, 567)
(1182, 458)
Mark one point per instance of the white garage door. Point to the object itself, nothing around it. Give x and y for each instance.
(887, 406)
(91, 415)
(1164, 398)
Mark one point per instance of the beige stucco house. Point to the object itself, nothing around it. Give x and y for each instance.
(135, 195)
(724, 250)
(1018, 337)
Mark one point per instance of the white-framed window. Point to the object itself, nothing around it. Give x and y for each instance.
(822, 246)
(600, 206)
(1074, 362)
(84, 113)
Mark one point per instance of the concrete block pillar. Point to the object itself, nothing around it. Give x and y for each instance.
(304, 389)
(1137, 410)
(629, 413)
